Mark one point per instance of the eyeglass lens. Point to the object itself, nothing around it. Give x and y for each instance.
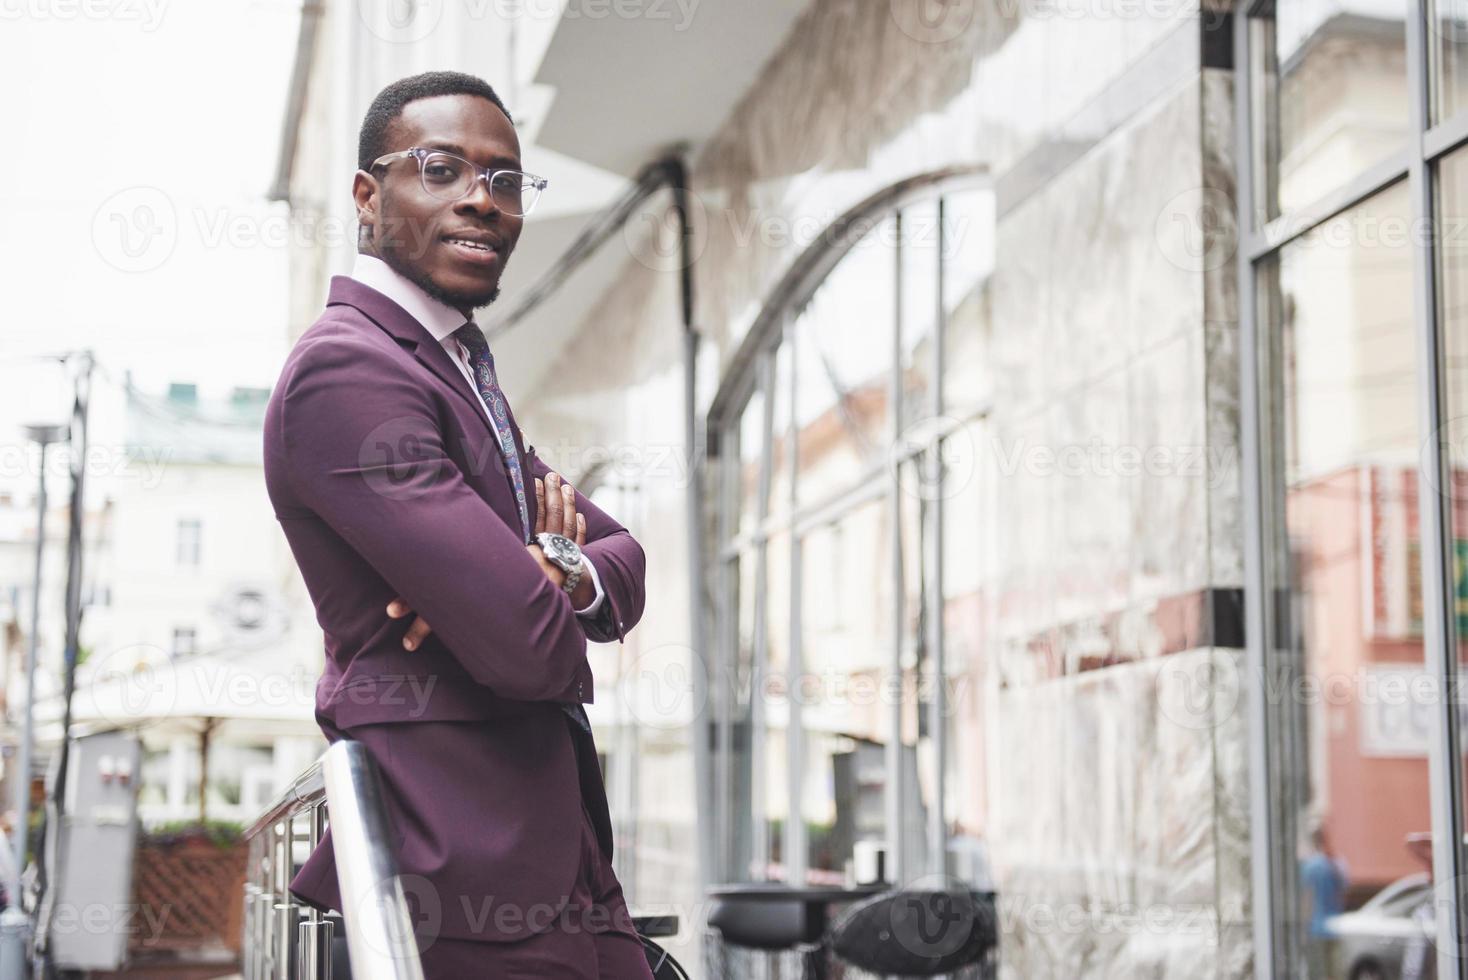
(449, 177)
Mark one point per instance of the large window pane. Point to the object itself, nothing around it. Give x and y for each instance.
(751, 436)
(919, 250)
(1336, 96)
(843, 358)
(773, 807)
(968, 260)
(914, 531)
(1338, 311)
(845, 595)
(1453, 317)
(1450, 34)
(781, 461)
(967, 597)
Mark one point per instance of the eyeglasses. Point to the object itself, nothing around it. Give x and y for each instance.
(450, 177)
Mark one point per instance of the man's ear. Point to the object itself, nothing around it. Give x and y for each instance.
(365, 194)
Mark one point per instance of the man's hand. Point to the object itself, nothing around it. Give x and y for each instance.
(555, 512)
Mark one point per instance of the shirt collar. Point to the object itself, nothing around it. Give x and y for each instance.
(437, 318)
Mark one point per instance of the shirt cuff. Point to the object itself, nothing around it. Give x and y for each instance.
(595, 603)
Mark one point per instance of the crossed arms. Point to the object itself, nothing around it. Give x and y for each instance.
(364, 450)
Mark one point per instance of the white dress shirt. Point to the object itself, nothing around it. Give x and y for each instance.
(441, 321)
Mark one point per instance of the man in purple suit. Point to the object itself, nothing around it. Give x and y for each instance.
(407, 492)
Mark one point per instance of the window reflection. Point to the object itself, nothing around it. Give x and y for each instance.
(968, 254)
(1339, 79)
(920, 242)
(751, 434)
(1338, 311)
(823, 601)
(845, 638)
(1450, 33)
(842, 364)
(1452, 257)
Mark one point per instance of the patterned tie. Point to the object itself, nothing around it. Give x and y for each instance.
(482, 362)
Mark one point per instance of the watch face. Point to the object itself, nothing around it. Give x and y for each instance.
(564, 548)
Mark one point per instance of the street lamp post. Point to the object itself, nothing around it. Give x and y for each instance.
(14, 924)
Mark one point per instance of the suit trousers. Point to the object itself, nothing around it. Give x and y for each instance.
(591, 939)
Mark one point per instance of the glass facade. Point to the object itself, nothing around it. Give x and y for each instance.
(1083, 476)
(1349, 270)
(843, 542)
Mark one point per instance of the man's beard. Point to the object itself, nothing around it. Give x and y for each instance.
(459, 301)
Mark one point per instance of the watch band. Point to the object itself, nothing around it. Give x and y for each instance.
(573, 577)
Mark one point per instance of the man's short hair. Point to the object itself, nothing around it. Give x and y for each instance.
(372, 141)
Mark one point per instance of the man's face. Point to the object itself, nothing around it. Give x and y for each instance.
(422, 236)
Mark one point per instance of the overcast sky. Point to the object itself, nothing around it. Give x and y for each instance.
(139, 142)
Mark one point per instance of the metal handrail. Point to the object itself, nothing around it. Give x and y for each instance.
(279, 931)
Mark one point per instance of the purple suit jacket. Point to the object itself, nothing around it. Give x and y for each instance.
(388, 481)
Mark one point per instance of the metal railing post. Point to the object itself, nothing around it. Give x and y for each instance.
(285, 939)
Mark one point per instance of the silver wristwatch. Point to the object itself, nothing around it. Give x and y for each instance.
(565, 554)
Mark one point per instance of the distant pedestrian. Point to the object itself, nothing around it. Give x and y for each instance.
(1323, 881)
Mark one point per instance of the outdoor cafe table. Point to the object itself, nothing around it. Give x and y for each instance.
(817, 899)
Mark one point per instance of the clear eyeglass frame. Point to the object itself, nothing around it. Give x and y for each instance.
(519, 200)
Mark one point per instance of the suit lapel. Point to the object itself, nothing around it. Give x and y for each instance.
(437, 360)
(399, 324)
